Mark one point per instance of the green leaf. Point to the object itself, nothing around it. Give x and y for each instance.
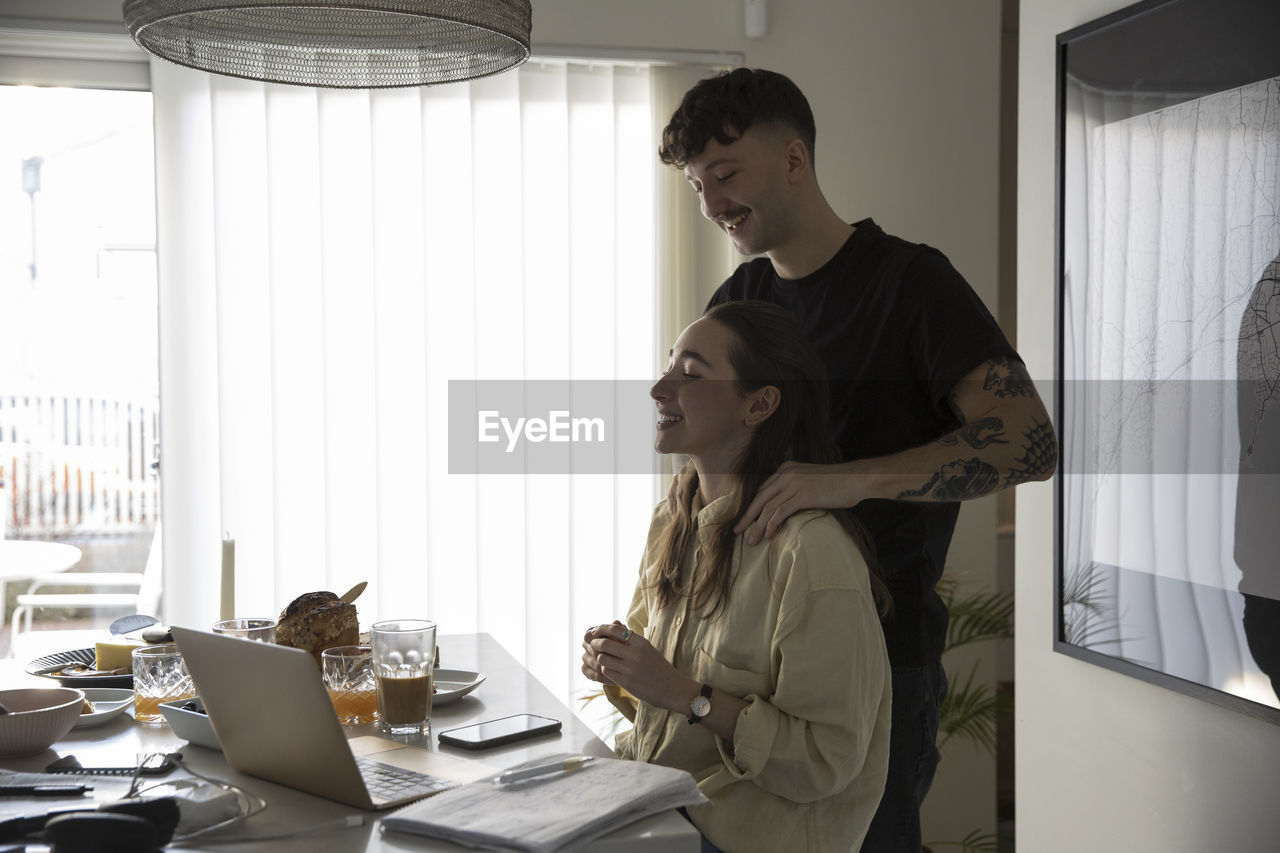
(969, 711)
(1087, 609)
(616, 720)
(978, 617)
(975, 842)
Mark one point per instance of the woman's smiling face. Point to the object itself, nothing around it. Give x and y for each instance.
(702, 412)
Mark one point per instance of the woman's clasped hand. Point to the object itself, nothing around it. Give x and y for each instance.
(613, 654)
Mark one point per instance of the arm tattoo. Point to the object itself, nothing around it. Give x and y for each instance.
(978, 434)
(1007, 378)
(962, 479)
(958, 481)
(1039, 456)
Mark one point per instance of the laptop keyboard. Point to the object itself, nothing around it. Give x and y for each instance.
(395, 783)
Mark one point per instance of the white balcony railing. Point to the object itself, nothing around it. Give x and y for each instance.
(77, 466)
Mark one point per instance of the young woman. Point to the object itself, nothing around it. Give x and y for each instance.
(759, 669)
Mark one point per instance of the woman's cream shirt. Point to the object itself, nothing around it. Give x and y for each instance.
(800, 640)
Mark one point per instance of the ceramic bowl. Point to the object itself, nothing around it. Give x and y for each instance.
(37, 718)
(188, 724)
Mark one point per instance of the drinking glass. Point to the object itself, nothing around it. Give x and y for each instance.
(261, 629)
(159, 675)
(403, 653)
(353, 690)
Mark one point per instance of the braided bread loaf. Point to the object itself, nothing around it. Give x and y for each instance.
(316, 621)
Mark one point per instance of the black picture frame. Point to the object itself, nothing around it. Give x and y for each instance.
(1142, 66)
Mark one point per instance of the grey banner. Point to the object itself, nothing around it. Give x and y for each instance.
(1105, 426)
(1190, 427)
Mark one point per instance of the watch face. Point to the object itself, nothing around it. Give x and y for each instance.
(701, 706)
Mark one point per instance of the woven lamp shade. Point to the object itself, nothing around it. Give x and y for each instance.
(342, 44)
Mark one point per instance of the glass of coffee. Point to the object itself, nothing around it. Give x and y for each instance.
(403, 654)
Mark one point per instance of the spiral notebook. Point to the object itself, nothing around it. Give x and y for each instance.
(555, 812)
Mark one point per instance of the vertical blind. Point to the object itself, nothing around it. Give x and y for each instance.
(329, 262)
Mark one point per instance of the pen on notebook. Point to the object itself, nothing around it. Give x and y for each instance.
(44, 790)
(564, 766)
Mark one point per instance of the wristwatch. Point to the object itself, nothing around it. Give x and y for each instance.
(700, 705)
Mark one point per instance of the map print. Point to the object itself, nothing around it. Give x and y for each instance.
(1259, 361)
(1171, 353)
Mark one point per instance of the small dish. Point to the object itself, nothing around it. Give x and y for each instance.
(452, 684)
(108, 703)
(190, 724)
(48, 666)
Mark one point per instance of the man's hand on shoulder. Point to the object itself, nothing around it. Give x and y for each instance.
(797, 486)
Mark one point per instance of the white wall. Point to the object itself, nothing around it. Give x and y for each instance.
(1106, 762)
(906, 96)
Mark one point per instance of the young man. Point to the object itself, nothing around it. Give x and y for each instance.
(930, 403)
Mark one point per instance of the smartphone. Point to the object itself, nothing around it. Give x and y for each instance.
(500, 731)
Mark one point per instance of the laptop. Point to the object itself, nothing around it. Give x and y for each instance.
(271, 713)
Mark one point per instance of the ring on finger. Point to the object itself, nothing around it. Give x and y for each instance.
(626, 634)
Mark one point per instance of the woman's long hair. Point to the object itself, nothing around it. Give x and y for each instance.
(769, 348)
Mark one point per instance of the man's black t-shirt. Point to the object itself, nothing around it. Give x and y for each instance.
(897, 327)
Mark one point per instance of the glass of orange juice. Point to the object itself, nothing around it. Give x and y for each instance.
(159, 675)
(348, 676)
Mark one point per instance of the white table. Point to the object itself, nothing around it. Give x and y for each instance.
(29, 558)
(508, 689)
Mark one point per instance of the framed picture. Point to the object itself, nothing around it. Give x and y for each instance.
(1168, 348)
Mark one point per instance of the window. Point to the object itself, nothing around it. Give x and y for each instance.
(78, 363)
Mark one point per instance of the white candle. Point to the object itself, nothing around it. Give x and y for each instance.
(228, 603)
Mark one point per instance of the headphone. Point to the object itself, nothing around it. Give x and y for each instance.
(132, 826)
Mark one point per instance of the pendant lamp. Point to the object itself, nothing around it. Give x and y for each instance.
(343, 44)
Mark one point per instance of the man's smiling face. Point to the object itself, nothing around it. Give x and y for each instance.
(744, 189)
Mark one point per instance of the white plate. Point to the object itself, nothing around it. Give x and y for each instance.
(108, 702)
(452, 684)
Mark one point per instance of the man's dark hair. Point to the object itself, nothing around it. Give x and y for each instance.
(725, 106)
